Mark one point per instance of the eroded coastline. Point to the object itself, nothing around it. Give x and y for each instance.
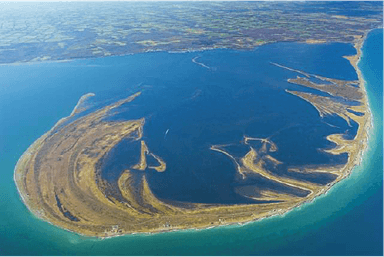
(116, 217)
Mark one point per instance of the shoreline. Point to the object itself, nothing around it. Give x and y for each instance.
(353, 163)
(191, 50)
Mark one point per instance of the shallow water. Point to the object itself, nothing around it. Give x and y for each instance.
(228, 96)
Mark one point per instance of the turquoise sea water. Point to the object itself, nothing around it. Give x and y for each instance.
(346, 221)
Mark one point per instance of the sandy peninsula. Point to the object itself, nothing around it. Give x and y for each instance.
(58, 177)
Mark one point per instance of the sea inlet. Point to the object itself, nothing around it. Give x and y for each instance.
(164, 141)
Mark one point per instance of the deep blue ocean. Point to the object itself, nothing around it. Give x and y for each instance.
(348, 220)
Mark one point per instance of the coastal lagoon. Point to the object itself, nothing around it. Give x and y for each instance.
(245, 95)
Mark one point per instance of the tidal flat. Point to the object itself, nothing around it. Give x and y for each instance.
(230, 146)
